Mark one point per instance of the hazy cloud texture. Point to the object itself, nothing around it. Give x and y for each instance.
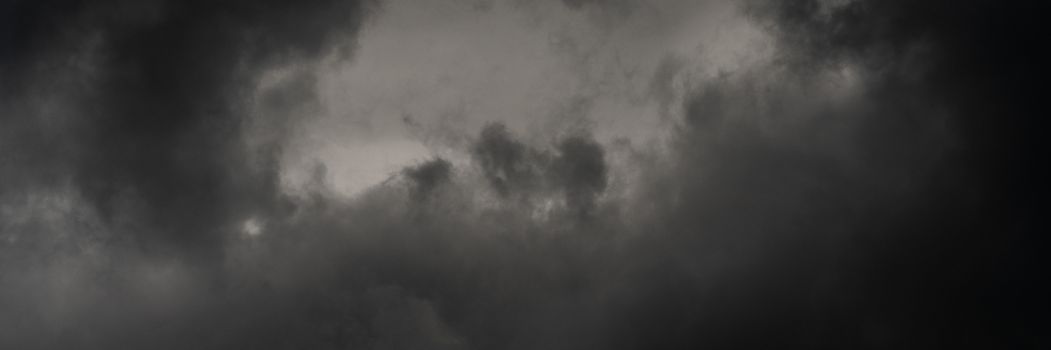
(577, 174)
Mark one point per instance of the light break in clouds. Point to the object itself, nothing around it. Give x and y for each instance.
(506, 174)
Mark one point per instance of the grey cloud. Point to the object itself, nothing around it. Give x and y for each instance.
(575, 169)
(157, 118)
(580, 170)
(779, 214)
(508, 164)
(427, 176)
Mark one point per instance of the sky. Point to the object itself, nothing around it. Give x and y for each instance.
(510, 174)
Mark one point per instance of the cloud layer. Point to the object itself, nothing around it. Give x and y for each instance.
(814, 174)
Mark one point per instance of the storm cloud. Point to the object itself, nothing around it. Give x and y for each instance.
(667, 174)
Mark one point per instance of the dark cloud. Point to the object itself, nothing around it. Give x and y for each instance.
(508, 165)
(427, 176)
(580, 170)
(575, 170)
(877, 185)
(966, 67)
(158, 120)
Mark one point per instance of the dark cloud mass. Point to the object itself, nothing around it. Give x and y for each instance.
(877, 184)
(575, 169)
(157, 124)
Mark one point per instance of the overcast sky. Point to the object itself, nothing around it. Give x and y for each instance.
(510, 174)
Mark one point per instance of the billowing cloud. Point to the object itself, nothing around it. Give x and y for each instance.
(810, 174)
